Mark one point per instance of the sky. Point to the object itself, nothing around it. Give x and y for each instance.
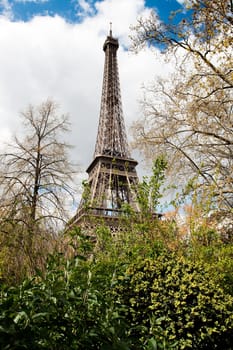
(53, 49)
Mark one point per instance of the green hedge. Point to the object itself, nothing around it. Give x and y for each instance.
(176, 302)
(162, 302)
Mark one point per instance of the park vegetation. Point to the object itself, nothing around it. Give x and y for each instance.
(154, 285)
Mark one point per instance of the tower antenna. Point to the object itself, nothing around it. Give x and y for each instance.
(110, 33)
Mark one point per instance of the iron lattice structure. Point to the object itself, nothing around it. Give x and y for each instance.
(112, 176)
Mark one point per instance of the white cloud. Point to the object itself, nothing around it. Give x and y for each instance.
(5, 137)
(84, 8)
(48, 57)
(184, 2)
(6, 9)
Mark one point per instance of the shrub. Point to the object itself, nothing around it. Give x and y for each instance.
(66, 309)
(177, 302)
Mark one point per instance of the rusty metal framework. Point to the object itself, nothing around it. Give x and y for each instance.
(111, 137)
(112, 173)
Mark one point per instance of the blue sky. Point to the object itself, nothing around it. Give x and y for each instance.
(72, 10)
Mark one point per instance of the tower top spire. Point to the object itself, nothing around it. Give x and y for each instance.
(111, 136)
(110, 32)
(110, 41)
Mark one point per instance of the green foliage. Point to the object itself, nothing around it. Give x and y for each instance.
(207, 247)
(63, 310)
(149, 190)
(207, 240)
(123, 292)
(144, 288)
(86, 194)
(176, 302)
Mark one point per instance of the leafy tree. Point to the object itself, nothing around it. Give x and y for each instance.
(35, 179)
(149, 190)
(189, 116)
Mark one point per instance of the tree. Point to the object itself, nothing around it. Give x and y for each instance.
(149, 190)
(189, 116)
(35, 178)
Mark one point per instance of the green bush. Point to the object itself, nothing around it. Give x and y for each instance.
(129, 294)
(63, 310)
(176, 302)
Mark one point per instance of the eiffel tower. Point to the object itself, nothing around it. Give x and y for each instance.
(112, 175)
